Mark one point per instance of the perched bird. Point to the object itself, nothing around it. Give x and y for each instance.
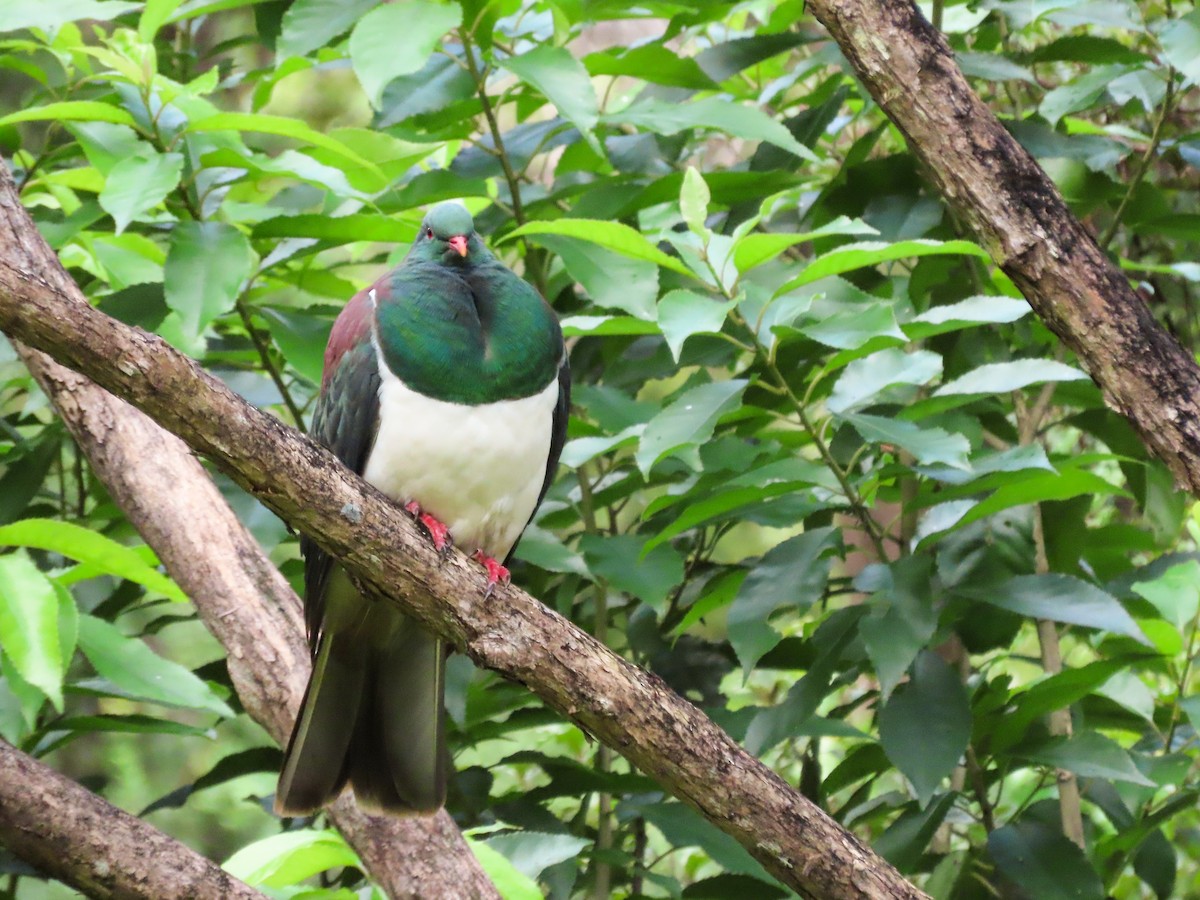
(446, 386)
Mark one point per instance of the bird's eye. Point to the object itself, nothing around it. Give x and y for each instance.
(429, 233)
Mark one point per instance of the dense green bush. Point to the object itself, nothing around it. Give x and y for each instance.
(826, 473)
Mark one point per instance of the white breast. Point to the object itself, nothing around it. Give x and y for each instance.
(477, 469)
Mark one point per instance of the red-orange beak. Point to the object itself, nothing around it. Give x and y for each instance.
(459, 243)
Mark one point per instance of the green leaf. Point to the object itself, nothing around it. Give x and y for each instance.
(1062, 598)
(1080, 94)
(611, 280)
(694, 197)
(343, 229)
(903, 616)
(759, 247)
(139, 183)
(727, 116)
(600, 326)
(396, 39)
(1181, 45)
(309, 24)
(613, 235)
(508, 879)
(683, 313)
(864, 379)
(70, 111)
(999, 378)
(790, 576)
(154, 16)
(48, 16)
(206, 267)
(302, 338)
(559, 77)
(29, 625)
(621, 560)
(291, 857)
(1089, 754)
(688, 422)
(1175, 593)
(91, 547)
(136, 669)
(1044, 863)
(532, 852)
(927, 445)
(978, 310)
(282, 126)
(683, 827)
(992, 67)
(872, 253)
(925, 726)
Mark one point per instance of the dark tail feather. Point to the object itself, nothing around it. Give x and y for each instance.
(314, 769)
(397, 761)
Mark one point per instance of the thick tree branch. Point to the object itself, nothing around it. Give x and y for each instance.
(249, 608)
(628, 709)
(83, 840)
(996, 188)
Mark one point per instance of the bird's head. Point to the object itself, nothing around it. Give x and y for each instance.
(447, 236)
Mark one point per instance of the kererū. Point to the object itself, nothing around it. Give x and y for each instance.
(446, 386)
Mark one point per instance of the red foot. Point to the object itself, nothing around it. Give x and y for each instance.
(438, 533)
(496, 573)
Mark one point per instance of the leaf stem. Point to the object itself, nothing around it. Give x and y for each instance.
(264, 356)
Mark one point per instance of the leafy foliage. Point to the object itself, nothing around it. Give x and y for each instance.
(825, 475)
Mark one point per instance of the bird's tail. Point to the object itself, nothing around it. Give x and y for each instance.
(372, 715)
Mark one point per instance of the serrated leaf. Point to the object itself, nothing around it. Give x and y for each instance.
(1044, 862)
(1089, 754)
(694, 197)
(396, 39)
(683, 313)
(289, 858)
(715, 113)
(206, 267)
(511, 883)
(88, 546)
(559, 77)
(926, 724)
(978, 310)
(872, 253)
(757, 248)
(599, 326)
(302, 338)
(613, 235)
(791, 575)
(612, 281)
(29, 618)
(927, 445)
(136, 669)
(999, 378)
(1175, 593)
(1062, 598)
(687, 422)
(309, 24)
(138, 184)
(864, 379)
(532, 852)
(70, 111)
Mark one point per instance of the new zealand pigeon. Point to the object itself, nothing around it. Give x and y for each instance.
(446, 386)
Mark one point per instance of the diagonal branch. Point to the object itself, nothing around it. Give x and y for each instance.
(628, 709)
(1014, 210)
(247, 605)
(83, 840)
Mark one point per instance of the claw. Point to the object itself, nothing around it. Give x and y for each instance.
(497, 574)
(438, 533)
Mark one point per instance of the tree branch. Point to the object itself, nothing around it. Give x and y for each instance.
(83, 840)
(628, 709)
(1013, 209)
(247, 605)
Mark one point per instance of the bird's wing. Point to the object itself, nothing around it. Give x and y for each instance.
(346, 421)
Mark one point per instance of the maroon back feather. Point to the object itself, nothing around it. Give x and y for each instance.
(352, 326)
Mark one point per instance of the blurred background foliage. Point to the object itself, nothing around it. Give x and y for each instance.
(826, 474)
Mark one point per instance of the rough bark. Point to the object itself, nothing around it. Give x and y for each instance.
(248, 606)
(1014, 210)
(630, 710)
(83, 840)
